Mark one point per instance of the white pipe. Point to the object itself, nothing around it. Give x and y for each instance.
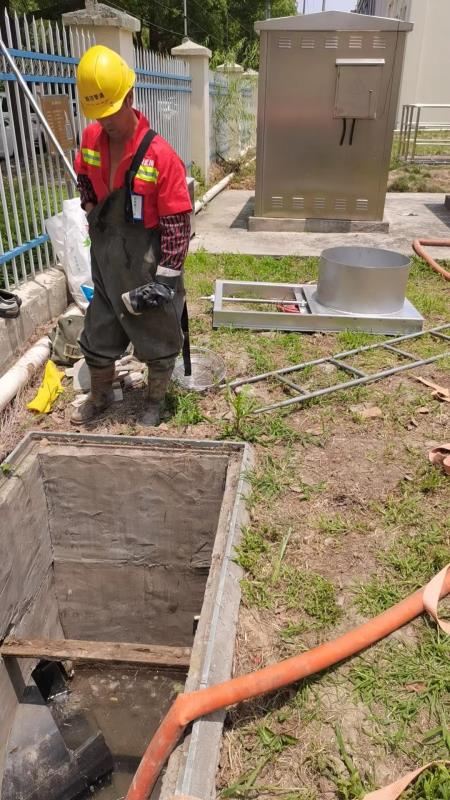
(199, 204)
(211, 193)
(16, 377)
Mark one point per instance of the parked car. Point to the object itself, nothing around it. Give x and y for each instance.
(6, 143)
(9, 134)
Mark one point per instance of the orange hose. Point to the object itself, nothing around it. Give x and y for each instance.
(418, 247)
(188, 707)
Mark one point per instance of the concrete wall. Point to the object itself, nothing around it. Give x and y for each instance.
(43, 299)
(28, 604)
(132, 536)
(182, 503)
(427, 57)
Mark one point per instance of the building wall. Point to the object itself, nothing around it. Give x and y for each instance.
(427, 57)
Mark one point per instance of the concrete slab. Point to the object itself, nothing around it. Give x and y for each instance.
(222, 227)
(285, 225)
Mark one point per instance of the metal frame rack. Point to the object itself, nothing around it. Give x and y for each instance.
(312, 315)
(359, 376)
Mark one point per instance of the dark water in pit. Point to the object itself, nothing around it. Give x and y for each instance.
(126, 705)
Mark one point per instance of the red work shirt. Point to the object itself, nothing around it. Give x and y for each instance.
(161, 178)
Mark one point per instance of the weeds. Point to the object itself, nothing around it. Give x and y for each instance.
(262, 429)
(249, 551)
(271, 744)
(309, 593)
(270, 582)
(188, 411)
(405, 684)
(333, 526)
(270, 479)
(421, 546)
(7, 469)
(348, 781)
(433, 784)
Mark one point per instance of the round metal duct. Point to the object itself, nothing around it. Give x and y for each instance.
(362, 280)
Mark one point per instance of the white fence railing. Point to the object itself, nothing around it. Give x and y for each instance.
(33, 184)
(163, 92)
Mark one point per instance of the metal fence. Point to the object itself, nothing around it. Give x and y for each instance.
(232, 109)
(218, 134)
(163, 93)
(33, 184)
(430, 150)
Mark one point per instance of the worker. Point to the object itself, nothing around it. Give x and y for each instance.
(133, 189)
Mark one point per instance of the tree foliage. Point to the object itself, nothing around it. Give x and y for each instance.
(225, 26)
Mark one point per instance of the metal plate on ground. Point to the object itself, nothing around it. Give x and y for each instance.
(311, 317)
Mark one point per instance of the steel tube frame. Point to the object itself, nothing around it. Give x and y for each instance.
(337, 359)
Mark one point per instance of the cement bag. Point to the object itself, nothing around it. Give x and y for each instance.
(75, 253)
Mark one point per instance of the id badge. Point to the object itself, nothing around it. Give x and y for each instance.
(137, 206)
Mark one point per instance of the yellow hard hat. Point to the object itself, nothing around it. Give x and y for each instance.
(103, 79)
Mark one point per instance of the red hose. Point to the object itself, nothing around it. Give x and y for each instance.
(188, 707)
(418, 247)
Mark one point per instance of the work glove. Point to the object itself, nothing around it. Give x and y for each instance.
(151, 295)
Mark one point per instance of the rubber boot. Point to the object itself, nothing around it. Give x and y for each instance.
(99, 398)
(158, 381)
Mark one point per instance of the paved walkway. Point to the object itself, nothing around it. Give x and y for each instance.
(222, 228)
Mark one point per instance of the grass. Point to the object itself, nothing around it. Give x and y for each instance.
(270, 582)
(271, 479)
(344, 520)
(24, 212)
(332, 525)
(271, 744)
(408, 684)
(187, 410)
(421, 544)
(415, 178)
(308, 593)
(343, 773)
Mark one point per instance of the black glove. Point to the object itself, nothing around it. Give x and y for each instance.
(152, 295)
(157, 294)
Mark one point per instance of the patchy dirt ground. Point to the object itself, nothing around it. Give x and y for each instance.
(346, 516)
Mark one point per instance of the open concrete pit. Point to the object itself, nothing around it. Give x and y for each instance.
(113, 540)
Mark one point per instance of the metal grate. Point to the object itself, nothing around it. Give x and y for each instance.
(359, 377)
(340, 204)
(362, 204)
(298, 203)
(307, 42)
(355, 42)
(284, 43)
(332, 42)
(379, 43)
(277, 202)
(319, 203)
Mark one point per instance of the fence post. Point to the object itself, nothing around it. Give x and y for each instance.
(106, 26)
(198, 58)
